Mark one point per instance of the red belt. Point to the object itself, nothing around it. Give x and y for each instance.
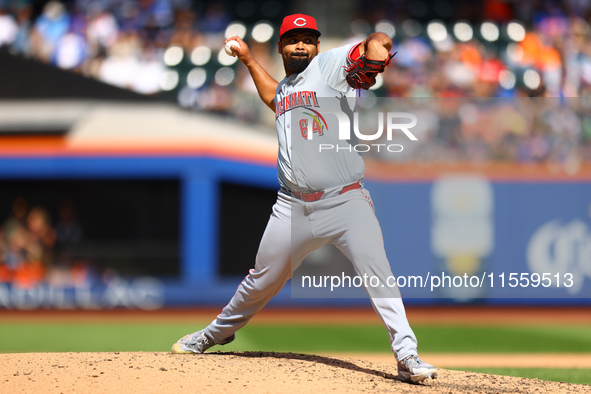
(315, 196)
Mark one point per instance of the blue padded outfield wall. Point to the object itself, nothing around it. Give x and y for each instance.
(508, 242)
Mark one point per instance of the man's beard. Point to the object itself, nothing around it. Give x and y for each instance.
(297, 64)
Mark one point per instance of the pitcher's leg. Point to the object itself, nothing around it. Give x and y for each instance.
(402, 338)
(363, 244)
(286, 242)
(272, 270)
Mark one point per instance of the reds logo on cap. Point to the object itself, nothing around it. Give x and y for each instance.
(298, 22)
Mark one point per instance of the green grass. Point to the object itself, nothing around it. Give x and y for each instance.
(505, 339)
(89, 337)
(93, 337)
(446, 339)
(579, 376)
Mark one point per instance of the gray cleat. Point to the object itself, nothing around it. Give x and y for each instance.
(412, 368)
(197, 342)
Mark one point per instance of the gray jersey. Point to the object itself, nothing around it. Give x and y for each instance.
(305, 123)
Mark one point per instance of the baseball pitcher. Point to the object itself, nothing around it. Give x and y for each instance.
(322, 198)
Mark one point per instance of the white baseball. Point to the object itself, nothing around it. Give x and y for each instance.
(229, 45)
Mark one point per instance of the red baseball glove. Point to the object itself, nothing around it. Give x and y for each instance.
(361, 74)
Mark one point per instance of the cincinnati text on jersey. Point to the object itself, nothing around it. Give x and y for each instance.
(304, 98)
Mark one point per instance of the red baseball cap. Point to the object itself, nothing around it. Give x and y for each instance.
(298, 22)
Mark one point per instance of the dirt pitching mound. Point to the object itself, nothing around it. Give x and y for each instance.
(258, 372)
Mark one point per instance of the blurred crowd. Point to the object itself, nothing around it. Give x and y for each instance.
(34, 251)
(525, 130)
(487, 48)
(117, 42)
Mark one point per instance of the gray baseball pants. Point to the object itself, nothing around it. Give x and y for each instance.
(297, 228)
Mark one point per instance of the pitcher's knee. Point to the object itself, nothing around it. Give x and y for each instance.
(269, 274)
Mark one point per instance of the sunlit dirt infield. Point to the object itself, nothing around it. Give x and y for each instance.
(219, 371)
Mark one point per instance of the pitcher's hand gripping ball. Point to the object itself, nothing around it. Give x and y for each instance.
(361, 74)
(229, 47)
